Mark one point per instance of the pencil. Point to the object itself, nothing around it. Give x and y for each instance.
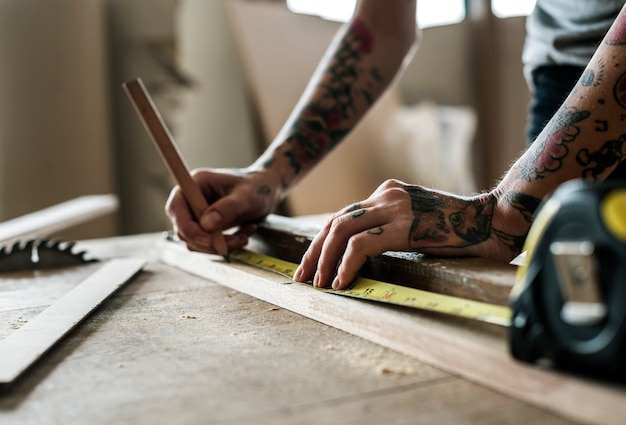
(164, 142)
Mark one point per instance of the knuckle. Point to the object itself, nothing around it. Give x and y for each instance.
(336, 225)
(391, 184)
(357, 244)
(195, 173)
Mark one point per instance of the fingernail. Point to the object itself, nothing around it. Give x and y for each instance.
(336, 283)
(296, 275)
(211, 220)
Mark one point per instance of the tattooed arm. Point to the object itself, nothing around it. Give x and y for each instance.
(365, 57)
(585, 139)
(363, 60)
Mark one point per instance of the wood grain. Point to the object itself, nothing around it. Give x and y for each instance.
(472, 278)
(477, 353)
(22, 348)
(174, 348)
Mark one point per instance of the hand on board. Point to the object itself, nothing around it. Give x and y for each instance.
(400, 217)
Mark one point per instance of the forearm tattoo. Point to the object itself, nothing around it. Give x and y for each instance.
(322, 123)
(564, 128)
(561, 131)
(610, 154)
(436, 219)
(526, 205)
(617, 34)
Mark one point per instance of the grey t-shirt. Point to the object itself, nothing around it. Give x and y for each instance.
(566, 32)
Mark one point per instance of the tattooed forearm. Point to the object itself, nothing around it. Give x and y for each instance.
(514, 242)
(610, 154)
(345, 87)
(435, 219)
(525, 204)
(591, 77)
(619, 91)
(553, 149)
(309, 143)
(617, 34)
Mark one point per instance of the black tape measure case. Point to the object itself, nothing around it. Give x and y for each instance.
(569, 302)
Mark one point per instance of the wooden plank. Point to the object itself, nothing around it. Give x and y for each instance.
(477, 353)
(30, 342)
(472, 278)
(172, 347)
(57, 217)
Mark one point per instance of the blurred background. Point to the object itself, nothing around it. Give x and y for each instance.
(225, 75)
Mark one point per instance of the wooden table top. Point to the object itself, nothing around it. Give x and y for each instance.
(175, 348)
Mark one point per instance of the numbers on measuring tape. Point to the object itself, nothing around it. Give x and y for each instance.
(393, 294)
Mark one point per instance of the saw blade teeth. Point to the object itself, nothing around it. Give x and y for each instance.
(7, 249)
(67, 246)
(40, 253)
(53, 244)
(28, 244)
(81, 255)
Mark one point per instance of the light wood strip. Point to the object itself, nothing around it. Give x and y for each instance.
(57, 217)
(476, 353)
(29, 343)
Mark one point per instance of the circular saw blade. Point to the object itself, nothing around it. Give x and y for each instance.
(39, 254)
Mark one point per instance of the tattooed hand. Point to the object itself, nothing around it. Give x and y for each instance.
(236, 198)
(401, 217)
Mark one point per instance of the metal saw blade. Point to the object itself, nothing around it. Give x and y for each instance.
(39, 254)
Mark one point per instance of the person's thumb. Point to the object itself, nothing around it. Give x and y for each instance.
(224, 213)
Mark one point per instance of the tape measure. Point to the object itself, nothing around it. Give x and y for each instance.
(568, 301)
(374, 290)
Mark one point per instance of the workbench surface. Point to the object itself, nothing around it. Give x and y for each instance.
(174, 348)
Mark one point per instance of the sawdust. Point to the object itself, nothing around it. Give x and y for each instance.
(382, 361)
(17, 323)
(395, 370)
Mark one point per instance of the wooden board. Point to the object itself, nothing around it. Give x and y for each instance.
(473, 278)
(22, 348)
(173, 348)
(57, 217)
(472, 351)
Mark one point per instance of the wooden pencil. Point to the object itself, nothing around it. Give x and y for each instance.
(162, 138)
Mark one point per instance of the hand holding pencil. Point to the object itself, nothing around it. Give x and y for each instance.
(152, 121)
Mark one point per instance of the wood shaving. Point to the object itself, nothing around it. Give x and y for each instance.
(393, 370)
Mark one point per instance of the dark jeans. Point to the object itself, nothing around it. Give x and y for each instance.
(552, 85)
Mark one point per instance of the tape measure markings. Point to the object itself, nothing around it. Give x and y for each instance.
(375, 290)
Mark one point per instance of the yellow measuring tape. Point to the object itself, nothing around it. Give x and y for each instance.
(375, 290)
